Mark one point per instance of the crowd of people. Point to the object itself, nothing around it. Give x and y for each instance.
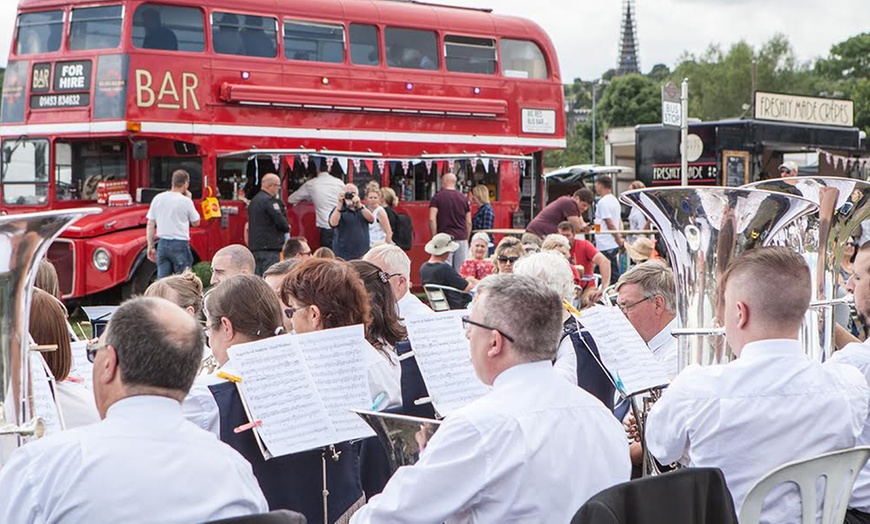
(158, 438)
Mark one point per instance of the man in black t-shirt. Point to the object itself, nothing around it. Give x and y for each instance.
(267, 224)
(438, 271)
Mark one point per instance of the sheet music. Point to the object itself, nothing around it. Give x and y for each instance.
(623, 352)
(444, 357)
(43, 399)
(279, 391)
(81, 369)
(336, 360)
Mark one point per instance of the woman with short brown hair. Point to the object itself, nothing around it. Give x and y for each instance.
(323, 294)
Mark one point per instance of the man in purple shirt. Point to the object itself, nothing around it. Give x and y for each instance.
(570, 208)
(450, 213)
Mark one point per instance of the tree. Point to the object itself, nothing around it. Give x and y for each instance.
(659, 73)
(630, 100)
(848, 59)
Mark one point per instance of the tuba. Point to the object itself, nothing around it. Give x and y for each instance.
(24, 240)
(820, 238)
(703, 229)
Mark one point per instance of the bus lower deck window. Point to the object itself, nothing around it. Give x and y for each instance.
(313, 42)
(465, 54)
(411, 48)
(364, 46)
(244, 35)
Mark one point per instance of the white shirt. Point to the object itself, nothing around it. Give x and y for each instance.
(664, 347)
(199, 406)
(143, 463)
(323, 190)
(410, 306)
(607, 207)
(534, 449)
(77, 404)
(858, 355)
(566, 361)
(377, 235)
(865, 233)
(385, 376)
(770, 406)
(173, 212)
(636, 221)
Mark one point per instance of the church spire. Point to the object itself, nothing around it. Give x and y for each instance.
(628, 59)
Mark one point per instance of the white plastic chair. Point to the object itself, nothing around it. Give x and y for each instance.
(840, 468)
(437, 296)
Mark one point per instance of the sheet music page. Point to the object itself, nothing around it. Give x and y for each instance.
(43, 399)
(82, 370)
(336, 360)
(279, 391)
(622, 351)
(444, 357)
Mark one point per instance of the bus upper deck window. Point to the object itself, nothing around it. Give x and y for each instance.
(250, 36)
(168, 28)
(522, 59)
(364, 46)
(313, 42)
(411, 48)
(39, 32)
(95, 27)
(466, 54)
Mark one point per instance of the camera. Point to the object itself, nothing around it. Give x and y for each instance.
(348, 196)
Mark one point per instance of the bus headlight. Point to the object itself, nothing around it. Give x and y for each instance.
(102, 260)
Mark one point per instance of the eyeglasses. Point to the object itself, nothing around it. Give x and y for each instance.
(508, 259)
(290, 311)
(468, 322)
(391, 275)
(625, 308)
(92, 348)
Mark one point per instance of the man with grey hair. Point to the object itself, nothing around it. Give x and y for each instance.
(143, 461)
(647, 297)
(231, 260)
(396, 264)
(531, 429)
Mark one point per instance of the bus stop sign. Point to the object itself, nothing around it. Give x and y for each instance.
(671, 107)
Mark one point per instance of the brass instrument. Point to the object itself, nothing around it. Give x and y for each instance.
(820, 238)
(402, 437)
(24, 240)
(703, 229)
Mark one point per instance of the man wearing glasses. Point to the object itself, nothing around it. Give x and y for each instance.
(647, 297)
(533, 449)
(788, 169)
(268, 227)
(143, 461)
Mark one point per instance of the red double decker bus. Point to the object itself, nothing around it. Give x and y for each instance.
(106, 97)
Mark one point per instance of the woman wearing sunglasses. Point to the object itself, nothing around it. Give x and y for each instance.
(507, 252)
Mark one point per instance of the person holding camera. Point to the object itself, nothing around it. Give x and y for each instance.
(350, 221)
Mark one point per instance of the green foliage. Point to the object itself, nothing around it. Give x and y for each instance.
(630, 100)
(203, 271)
(848, 59)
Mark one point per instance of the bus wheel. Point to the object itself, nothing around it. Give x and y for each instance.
(142, 278)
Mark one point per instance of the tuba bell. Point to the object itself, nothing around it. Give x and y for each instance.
(24, 240)
(820, 238)
(703, 229)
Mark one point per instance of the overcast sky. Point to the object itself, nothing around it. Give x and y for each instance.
(586, 32)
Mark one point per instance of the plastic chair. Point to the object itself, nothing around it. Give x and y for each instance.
(437, 296)
(840, 468)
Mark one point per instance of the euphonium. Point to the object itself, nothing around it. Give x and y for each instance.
(24, 240)
(820, 238)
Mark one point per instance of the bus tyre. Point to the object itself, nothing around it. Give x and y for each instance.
(142, 278)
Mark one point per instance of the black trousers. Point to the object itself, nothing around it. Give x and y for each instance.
(326, 237)
(853, 516)
(613, 256)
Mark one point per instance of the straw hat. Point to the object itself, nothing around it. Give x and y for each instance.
(641, 250)
(440, 244)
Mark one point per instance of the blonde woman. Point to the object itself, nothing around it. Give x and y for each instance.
(380, 231)
(484, 218)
